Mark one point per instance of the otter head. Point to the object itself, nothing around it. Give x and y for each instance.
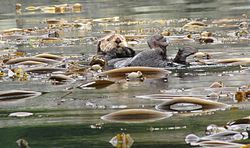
(158, 41)
(111, 41)
(114, 46)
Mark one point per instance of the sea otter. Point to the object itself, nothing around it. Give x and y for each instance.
(114, 46)
(156, 57)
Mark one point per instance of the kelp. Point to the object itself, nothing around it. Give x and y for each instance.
(36, 59)
(190, 104)
(147, 72)
(97, 84)
(11, 95)
(44, 70)
(136, 116)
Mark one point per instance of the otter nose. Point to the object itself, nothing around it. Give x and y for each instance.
(118, 41)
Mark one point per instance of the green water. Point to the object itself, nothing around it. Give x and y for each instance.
(67, 123)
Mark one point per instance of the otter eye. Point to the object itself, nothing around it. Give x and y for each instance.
(108, 39)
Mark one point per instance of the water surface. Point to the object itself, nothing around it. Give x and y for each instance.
(67, 123)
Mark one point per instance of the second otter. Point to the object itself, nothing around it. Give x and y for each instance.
(157, 57)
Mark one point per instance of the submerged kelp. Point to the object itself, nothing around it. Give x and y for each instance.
(190, 104)
(13, 95)
(136, 116)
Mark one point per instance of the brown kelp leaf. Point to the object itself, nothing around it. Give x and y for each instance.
(37, 59)
(194, 26)
(136, 116)
(77, 7)
(180, 39)
(233, 60)
(20, 114)
(49, 56)
(225, 20)
(47, 9)
(206, 34)
(76, 70)
(31, 63)
(239, 124)
(240, 96)
(189, 104)
(18, 6)
(54, 21)
(108, 19)
(207, 40)
(17, 94)
(32, 8)
(242, 63)
(60, 78)
(59, 9)
(12, 30)
(195, 23)
(165, 33)
(98, 84)
(98, 60)
(20, 53)
(44, 70)
(148, 72)
(51, 40)
(164, 96)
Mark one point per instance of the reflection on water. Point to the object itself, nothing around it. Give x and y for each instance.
(61, 120)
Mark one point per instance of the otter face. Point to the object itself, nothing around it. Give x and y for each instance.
(110, 42)
(157, 41)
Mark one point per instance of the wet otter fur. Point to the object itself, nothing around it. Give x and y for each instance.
(157, 57)
(114, 46)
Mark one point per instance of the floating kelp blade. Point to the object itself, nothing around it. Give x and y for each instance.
(147, 72)
(49, 56)
(194, 26)
(52, 40)
(164, 96)
(239, 124)
(44, 70)
(97, 84)
(37, 59)
(226, 136)
(17, 94)
(31, 63)
(136, 116)
(12, 30)
(233, 60)
(204, 68)
(185, 104)
(214, 129)
(20, 114)
(60, 78)
(219, 144)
